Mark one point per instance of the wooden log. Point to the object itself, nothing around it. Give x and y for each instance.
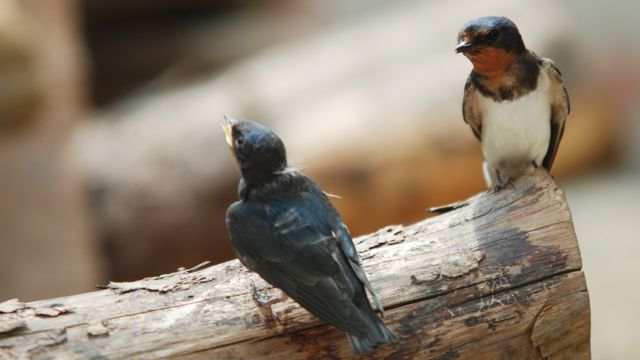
(498, 278)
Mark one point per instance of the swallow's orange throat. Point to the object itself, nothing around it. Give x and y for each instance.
(491, 62)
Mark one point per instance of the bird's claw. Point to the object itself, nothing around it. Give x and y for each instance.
(258, 296)
(501, 185)
(264, 303)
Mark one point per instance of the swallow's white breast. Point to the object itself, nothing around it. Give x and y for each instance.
(514, 133)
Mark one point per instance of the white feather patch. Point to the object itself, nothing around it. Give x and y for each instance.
(515, 133)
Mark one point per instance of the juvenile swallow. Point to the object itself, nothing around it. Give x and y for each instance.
(285, 229)
(514, 101)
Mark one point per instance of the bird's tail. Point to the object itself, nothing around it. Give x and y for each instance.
(378, 334)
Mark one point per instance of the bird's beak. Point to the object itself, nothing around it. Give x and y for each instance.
(226, 127)
(463, 46)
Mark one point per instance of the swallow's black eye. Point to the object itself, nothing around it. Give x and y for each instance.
(239, 140)
(493, 34)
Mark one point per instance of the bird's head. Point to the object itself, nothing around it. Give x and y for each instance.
(490, 42)
(259, 152)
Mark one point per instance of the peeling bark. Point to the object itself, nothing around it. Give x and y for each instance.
(179, 280)
(12, 305)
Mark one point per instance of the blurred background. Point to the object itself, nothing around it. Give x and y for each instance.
(113, 165)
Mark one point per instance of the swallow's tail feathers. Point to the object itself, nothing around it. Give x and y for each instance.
(378, 334)
(361, 345)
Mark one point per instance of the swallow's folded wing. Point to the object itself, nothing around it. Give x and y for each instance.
(470, 109)
(560, 108)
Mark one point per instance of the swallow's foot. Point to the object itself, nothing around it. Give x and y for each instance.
(501, 185)
(264, 303)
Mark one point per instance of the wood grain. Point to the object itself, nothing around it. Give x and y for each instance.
(499, 278)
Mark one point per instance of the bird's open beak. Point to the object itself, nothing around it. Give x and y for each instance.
(463, 46)
(226, 127)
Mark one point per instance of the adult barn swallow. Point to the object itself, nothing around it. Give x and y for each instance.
(514, 100)
(286, 229)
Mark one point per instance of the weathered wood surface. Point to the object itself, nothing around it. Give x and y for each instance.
(499, 278)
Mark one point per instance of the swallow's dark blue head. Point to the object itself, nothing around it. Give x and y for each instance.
(496, 32)
(259, 151)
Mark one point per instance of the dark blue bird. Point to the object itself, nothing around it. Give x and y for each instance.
(285, 229)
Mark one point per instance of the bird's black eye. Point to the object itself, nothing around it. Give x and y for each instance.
(493, 34)
(239, 140)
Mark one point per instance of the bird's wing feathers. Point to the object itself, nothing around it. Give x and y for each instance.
(560, 108)
(344, 238)
(470, 112)
(266, 234)
(291, 249)
(341, 234)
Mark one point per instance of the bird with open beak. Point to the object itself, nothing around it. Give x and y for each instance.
(285, 229)
(514, 101)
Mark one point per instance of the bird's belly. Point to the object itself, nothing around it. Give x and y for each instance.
(515, 133)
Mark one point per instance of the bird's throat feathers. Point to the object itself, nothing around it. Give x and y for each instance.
(492, 63)
(503, 75)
